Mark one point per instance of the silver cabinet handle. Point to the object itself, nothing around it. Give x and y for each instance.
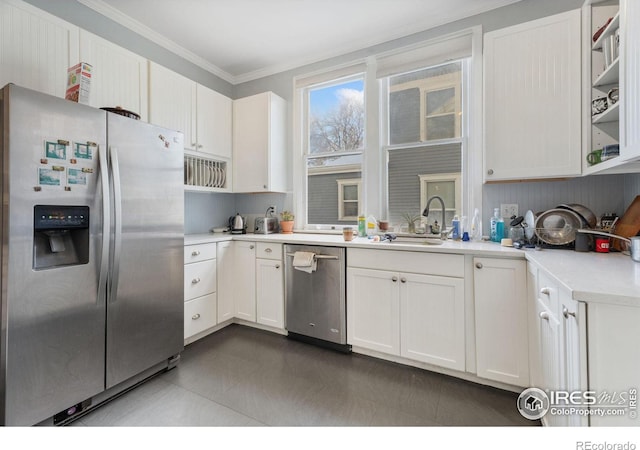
(264, 186)
(490, 172)
(566, 313)
(251, 247)
(478, 265)
(195, 253)
(200, 146)
(277, 266)
(394, 279)
(195, 316)
(403, 279)
(545, 291)
(195, 280)
(268, 250)
(544, 315)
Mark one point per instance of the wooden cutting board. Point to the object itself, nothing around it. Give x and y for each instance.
(628, 225)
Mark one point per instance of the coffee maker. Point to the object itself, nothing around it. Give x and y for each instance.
(237, 224)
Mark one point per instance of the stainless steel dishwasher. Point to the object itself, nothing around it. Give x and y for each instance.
(316, 302)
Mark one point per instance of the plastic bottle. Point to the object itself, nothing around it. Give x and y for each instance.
(455, 225)
(372, 223)
(362, 226)
(476, 228)
(497, 226)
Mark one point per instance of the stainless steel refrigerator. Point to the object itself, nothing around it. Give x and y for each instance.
(92, 255)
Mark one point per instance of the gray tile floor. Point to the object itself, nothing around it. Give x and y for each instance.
(242, 376)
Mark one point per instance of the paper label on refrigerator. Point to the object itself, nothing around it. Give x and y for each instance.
(82, 150)
(49, 177)
(55, 150)
(76, 177)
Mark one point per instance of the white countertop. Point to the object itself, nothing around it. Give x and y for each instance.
(591, 277)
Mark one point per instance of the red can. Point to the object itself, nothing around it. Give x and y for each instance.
(602, 245)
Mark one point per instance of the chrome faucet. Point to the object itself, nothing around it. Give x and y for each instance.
(443, 233)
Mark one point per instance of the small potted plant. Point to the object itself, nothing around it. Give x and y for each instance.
(286, 222)
(411, 220)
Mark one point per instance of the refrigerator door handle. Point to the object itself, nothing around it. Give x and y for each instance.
(117, 221)
(106, 220)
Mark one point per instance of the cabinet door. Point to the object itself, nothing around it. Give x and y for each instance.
(373, 310)
(226, 271)
(172, 102)
(574, 366)
(549, 356)
(245, 280)
(432, 318)
(630, 82)
(36, 48)
(270, 293)
(214, 128)
(250, 143)
(533, 99)
(502, 342)
(118, 78)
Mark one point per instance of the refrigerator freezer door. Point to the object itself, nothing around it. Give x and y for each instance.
(145, 305)
(52, 334)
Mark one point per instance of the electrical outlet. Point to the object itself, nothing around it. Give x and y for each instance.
(508, 209)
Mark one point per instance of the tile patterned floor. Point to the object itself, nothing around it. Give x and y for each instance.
(242, 376)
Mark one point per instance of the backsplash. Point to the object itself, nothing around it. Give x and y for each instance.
(203, 211)
(600, 193)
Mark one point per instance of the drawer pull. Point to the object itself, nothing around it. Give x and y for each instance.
(268, 250)
(394, 279)
(195, 253)
(566, 313)
(195, 280)
(544, 315)
(403, 279)
(195, 316)
(277, 266)
(545, 291)
(251, 247)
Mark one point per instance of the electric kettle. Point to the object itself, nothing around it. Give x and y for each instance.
(237, 224)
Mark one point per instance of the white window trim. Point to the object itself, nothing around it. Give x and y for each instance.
(374, 175)
(341, 201)
(456, 177)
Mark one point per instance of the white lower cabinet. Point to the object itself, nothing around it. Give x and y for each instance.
(245, 280)
(432, 318)
(200, 307)
(413, 315)
(270, 293)
(226, 270)
(502, 343)
(560, 346)
(373, 310)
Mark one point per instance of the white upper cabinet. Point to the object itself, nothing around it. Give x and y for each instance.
(259, 139)
(630, 83)
(36, 48)
(172, 102)
(202, 114)
(532, 102)
(118, 77)
(213, 122)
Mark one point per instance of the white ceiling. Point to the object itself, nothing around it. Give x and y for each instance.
(241, 40)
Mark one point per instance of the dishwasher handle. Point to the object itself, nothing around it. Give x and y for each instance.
(319, 256)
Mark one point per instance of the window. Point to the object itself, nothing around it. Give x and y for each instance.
(424, 151)
(349, 199)
(334, 146)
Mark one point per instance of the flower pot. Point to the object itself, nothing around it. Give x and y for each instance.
(286, 226)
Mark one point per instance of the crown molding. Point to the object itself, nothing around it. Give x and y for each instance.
(111, 13)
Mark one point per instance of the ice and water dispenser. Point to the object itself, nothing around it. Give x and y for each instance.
(60, 236)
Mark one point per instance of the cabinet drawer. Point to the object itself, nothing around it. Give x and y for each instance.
(199, 314)
(268, 250)
(199, 279)
(443, 264)
(199, 252)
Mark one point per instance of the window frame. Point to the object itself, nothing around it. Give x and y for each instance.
(342, 183)
(456, 177)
